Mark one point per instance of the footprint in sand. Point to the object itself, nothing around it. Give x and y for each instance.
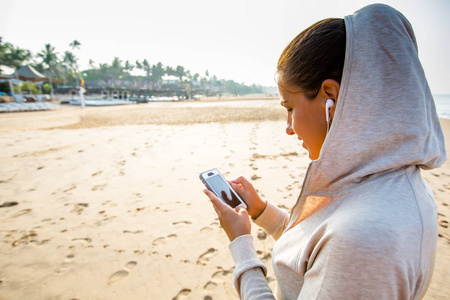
(133, 232)
(66, 265)
(162, 240)
(262, 235)
(182, 294)
(69, 258)
(255, 177)
(79, 207)
(69, 189)
(97, 173)
(264, 256)
(99, 187)
(9, 204)
(442, 223)
(182, 222)
(221, 276)
(206, 229)
(121, 274)
(210, 285)
(25, 239)
(20, 213)
(204, 258)
(83, 240)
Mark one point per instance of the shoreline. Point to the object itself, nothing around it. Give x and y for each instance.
(226, 110)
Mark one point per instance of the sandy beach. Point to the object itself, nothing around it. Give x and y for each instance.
(105, 202)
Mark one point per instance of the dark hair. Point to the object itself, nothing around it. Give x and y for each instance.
(316, 54)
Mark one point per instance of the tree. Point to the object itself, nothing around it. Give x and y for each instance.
(138, 65)
(180, 72)
(49, 58)
(116, 68)
(3, 49)
(75, 45)
(72, 63)
(169, 71)
(157, 72)
(146, 68)
(17, 57)
(128, 66)
(103, 72)
(91, 64)
(117, 64)
(11, 56)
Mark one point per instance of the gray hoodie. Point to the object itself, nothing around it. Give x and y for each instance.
(364, 225)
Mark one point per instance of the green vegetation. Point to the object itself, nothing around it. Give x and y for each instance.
(65, 69)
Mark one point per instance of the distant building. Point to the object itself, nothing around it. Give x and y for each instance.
(170, 79)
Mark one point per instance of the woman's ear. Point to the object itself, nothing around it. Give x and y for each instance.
(330, 90)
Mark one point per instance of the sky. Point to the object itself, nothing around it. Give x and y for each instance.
(233, 39)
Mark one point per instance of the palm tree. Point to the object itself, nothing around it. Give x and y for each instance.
(3, 52)
(49, 58)
(147, 68)
(75, 45)
(128, 66)
(157, 72)
(170, 71)
(180, 72)
(72, 63)
(116, 68)
(15, 57)
(91, 64)
(104, 71)
(138, 65)
(195, 77)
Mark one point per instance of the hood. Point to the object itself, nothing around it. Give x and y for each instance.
(385, 115)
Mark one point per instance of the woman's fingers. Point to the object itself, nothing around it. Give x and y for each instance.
(219, 206)
(243, 181)
(235, 222)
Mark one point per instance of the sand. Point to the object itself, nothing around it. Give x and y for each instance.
(105, 202)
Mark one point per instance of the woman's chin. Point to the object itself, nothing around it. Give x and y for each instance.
(311, 155)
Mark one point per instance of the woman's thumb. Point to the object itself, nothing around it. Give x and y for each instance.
(241, 210)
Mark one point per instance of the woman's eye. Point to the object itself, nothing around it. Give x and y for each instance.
(289, 110)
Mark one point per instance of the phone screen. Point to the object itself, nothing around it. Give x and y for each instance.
(223, 191)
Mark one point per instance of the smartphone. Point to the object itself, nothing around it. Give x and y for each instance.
(216, 183)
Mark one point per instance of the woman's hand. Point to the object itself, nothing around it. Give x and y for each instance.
(255, 205)
(234, 222)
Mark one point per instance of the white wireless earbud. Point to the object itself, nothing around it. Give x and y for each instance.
(329, 104)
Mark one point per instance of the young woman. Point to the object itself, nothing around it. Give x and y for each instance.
(364, 225)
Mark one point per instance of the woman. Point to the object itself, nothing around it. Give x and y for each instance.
(364, 225)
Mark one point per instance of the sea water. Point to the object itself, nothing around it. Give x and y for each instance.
(442, 105)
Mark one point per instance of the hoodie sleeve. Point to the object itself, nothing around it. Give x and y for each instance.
(249, 277)
(273, 220)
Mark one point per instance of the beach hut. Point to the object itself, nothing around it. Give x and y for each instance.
(28, 73)
(170, 79)
(25, 73)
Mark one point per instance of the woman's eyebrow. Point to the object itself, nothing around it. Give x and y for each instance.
(283, 102)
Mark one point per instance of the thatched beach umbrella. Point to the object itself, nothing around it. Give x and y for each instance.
(28, 73)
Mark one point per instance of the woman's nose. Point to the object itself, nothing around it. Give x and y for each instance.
(289, 129)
